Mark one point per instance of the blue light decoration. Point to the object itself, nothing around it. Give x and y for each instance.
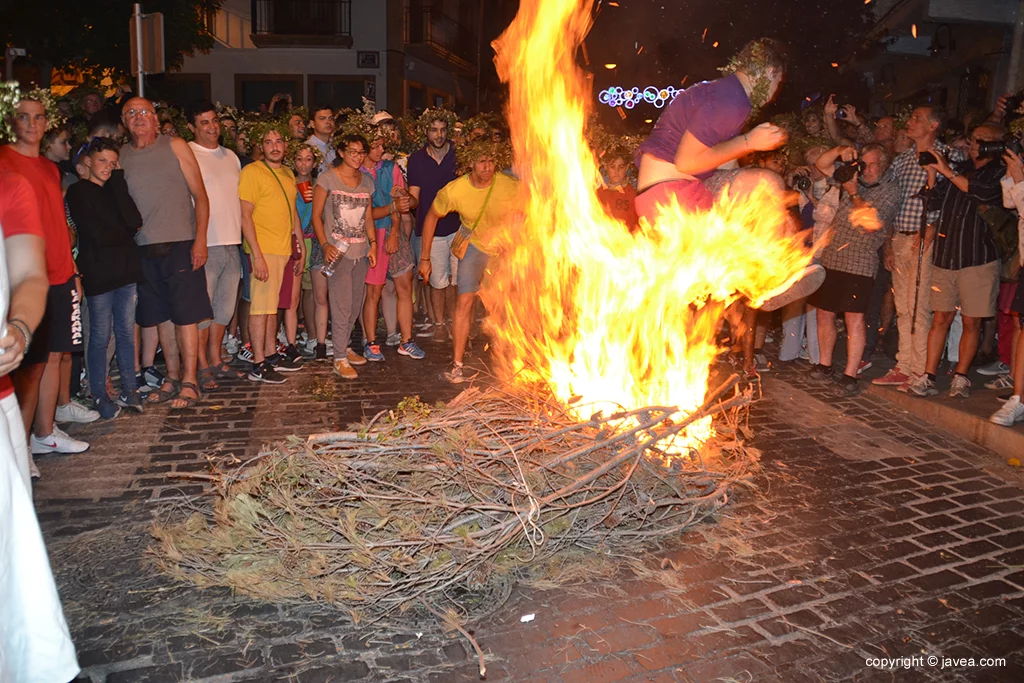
(617, 96)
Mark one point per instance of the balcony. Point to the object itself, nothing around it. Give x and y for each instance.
(303, 23)
(441, 35)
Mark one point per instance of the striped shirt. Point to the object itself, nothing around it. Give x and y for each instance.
(964, 239)
(911, 177)
(854, 248)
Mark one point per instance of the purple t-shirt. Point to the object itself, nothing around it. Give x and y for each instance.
(712, 111)
(428, 175)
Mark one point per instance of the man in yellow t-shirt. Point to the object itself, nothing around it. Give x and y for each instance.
(484, 201)
(269, 219)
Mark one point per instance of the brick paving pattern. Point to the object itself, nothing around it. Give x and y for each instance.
(869, 534)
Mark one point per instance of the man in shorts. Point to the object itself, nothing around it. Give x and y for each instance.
(164, 179)
(269, 222)
(482, 199)
(220, 168)
(38, 382)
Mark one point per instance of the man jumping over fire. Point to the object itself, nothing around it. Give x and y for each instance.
(693, 150)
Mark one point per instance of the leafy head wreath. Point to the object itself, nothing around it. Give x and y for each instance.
(11, 95)
(756, 61)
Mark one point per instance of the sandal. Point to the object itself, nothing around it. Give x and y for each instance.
(206, 380)
(225, 371)
(161, 395)
(188, 400)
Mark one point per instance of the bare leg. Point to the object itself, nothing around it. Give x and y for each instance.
(941, 320)
(309, 313)
(969, 342)
(26, 387)
(49, 389)
(270, 338)
(451, 294)
(215, 338)
(389, 305)
(64, 392)
(370, 304)
(291, 314)
(403, 292)
(438, 298)
(187, 338)
(856, 338)
(165, 331)
(826, 336)
(258, 325)
(460, 324)
(150, 340)
(205, 353)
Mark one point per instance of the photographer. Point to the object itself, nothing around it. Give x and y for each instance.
(966, 259)
(869, 202)
(1012, 411)
(858, 130)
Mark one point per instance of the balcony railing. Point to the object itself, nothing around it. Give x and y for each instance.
(305, 22)
(445, 36)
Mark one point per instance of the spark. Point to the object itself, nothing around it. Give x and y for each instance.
(913, 30)
(610, 66)
(648, 120)
(703, 35)
(714, 44)
(835, 65)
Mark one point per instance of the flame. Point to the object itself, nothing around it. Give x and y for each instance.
(606, 318)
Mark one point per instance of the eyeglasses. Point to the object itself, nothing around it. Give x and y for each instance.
(133, 113)
(355, 152)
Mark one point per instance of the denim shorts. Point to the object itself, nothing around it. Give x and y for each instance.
(471, 270)
(223, 274)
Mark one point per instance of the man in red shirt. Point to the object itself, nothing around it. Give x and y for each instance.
(38, 381)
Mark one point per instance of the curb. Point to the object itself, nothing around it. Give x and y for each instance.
(1006, 442)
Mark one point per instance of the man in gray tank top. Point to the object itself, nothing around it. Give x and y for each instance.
(165, 181)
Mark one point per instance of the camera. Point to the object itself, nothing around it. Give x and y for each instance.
(926, 158)
(994, 150)
(802, 183)
(845, 171)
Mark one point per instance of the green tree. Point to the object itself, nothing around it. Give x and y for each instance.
(92, 35)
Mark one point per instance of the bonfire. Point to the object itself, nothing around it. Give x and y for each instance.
(599, 433)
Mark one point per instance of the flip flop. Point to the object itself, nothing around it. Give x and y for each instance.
(161, 395)
(802, 286)
(225, 371)
(206, 380)
(189, 400)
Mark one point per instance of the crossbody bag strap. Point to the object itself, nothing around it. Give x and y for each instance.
(287, 201)
(484, 207)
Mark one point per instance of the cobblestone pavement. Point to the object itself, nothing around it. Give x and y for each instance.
(869, 535)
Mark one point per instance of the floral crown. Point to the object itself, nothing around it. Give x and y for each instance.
(11, 95)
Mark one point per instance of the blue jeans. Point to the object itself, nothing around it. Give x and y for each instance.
(115, 308)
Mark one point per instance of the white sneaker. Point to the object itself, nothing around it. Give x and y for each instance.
(996, 367)
(75, 412)
(33, 471)
(960, 388)
(58, 442)
(232, 344)
(1010, 414)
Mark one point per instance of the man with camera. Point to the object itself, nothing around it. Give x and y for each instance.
(869, 202)
(908, 254)
(966, 259)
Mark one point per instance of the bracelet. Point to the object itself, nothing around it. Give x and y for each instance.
(424, 260)
(20, 326)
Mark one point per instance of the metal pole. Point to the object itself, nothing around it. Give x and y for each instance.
(479, 53)
(138, 49)
(1013, 75)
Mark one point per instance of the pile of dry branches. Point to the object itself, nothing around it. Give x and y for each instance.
(421, 504)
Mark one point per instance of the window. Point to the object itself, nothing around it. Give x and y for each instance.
(341, 91)
(416, 98)
(255, 90)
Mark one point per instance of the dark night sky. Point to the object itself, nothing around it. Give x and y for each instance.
(818, 32)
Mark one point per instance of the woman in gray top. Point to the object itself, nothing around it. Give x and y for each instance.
(344, 228)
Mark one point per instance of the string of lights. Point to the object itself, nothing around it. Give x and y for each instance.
(617, 96)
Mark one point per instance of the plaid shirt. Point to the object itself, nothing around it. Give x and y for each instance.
(854, 249)
(911, 177)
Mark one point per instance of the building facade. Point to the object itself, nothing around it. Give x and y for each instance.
(402, 54)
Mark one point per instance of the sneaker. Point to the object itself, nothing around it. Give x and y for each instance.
(457, 374)
(343, 368)
(761, 361)
(411, 349)
(1003, 398)
(284, 364)
(140, 382)
(232, 344)
(58, 442)
(922, 386)
(1010, 414)
(1000, 382)
(426, 330)
(311, 347)
(354, 358)
(107, 409)
(805, 354)
(960, 388)
(893, 378)
(846, 386)
(442, 333)
(394, 339)
(864, 365)
(245, 353)
(153, 377)
(33, 471)
(905, 387)
(292, 353)
(130, 400)
(75, 412)
(821, 373)
(320, 352)
(265, 372)
(372, 352)
(996, 367)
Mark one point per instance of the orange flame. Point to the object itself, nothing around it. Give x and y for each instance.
(607, 318)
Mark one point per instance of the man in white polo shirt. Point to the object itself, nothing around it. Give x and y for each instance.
(220, 168)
